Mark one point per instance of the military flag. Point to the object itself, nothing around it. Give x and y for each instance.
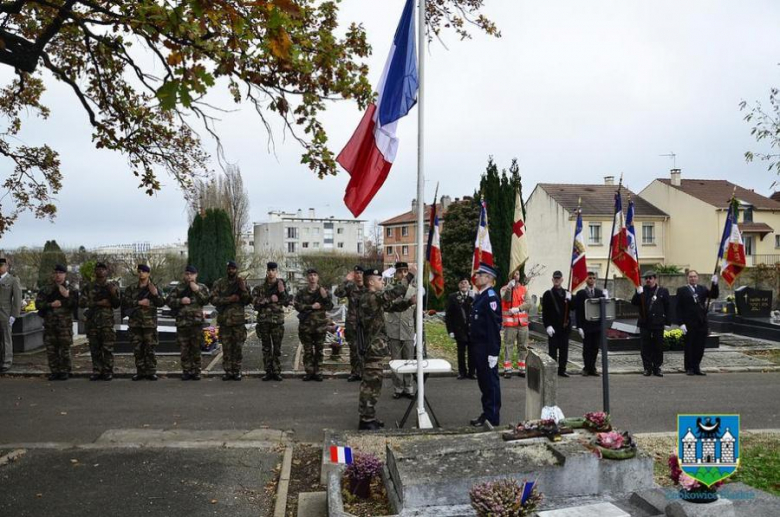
(519, 245)
(483, 250)
(731, 253)
(623, 244)
(579, 266)
(433, 255)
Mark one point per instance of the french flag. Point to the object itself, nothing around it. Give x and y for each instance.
(436, 268)
(370, 152)
(579, 264)
(483, 250)
(340, 454)
(624, 252)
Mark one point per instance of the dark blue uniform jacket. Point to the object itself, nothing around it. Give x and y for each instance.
(485, 323)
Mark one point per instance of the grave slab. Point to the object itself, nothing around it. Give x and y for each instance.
(590, 510)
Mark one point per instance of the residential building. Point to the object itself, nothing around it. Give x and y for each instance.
(697, 211)
(551, 215)
(399, 233)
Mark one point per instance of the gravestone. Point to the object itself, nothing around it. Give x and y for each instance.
(541, 383)
(753, 303)
(625, 310)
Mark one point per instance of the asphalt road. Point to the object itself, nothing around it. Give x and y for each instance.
(78, 411)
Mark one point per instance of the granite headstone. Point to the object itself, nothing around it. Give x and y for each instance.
(753, 303)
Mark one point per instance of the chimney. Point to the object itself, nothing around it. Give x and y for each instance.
(311, 213)
(445, 202)
(414, 205)
(300, 213)
(676, 181)
(609, 180)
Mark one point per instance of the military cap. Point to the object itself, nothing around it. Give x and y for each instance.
(2, 260)
(101, 264)
(372, 272)
(490, 270)
(557, 274)
(464, 277)
(232, 263)
(400, 265)
(272, 265)
(649, 274)
(144, 268)
(59, 268)
(312, 270)
(359, 268)
(191, 269)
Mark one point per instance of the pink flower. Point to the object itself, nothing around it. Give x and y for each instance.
(611, 440)
(689, 483)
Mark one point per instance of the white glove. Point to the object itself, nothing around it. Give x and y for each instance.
(606, 293)
(568, 296)
(550, 331)
(582, 333)
(11, 320)
(512, 283)
(715, 279)
(684, 328)
(639, 290)
(514, 310)
(492, 361)
(452, 335)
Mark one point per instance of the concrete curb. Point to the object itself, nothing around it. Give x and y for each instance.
(12, 456)
(280, 508)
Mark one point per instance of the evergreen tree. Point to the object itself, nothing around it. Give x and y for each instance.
(210, 244)
(51, 256)
(458, 234)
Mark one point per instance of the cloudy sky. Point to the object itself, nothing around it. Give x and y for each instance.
(575, 90)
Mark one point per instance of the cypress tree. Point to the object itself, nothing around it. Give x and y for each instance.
(458, 234)
(210, 244)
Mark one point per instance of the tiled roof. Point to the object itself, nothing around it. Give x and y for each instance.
(598, 200)
(755, 228)
(410, 217)
(718, 193)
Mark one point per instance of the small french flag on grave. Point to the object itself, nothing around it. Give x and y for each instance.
(340, 454)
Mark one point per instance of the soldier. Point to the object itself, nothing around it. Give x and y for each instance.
(653, 302)
(372, 340)
(589, 331)
(692, 318)
(229, 295)
(514, 309)
(269, 300)
(352, 289)
(140, 303)
(10, 309)
(99, 299)
(56, 303)
(186, 302)
(457, 321)
(555, 317)
(312, 302)
(401, 330)
(485, 328)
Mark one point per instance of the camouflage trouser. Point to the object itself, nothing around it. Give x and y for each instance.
(370, 387)
(402, 349)
(101, 347)
(271, 335)
(190, 339)
(232, 338)
(354, 356)
(58, 342)
(312, 350)
(515, 337)
(144, 341)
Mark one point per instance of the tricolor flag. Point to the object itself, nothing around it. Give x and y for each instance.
(579, 265)
(519, 247)
(483, 251)
(340, 454)
(370, 152)
(340, 334)
(633, 275)
(624, 253)
(435, 265)
(732, 250)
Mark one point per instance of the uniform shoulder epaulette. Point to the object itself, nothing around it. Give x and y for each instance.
(491, 292)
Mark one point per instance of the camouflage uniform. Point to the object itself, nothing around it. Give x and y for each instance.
(313, 325)
(371, 322)
(189, 324)
(270, 321)
(352, 292)
(99, 324)
(142, 326)
(231, 321)
(58, 325)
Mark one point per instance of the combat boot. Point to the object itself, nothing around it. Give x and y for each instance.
(195, 376)
(373, 425)
(268, 377)
(227, 377)
(308, 377)
(186, 376)
(95, 377)
(318, 377)
(152, 376)
(107, 376)
(237, 376)
(137, 377)
(277, 377)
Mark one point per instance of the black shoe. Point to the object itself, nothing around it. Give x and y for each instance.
(152, 377)
(473, 377)
(521, 373)
(699, 372)
(64, 376)
(585, 372)
(54, 376)
(397, 395)
(658, 373)
(373, 425)
(477, 422)
(318, 377)
(594, 373)
(268, 377)
(227, 377)
(353, 378)
(689, 372)
(95, 377)
(308, 377)
(138, 377)
(563, 374)
(195, 376)
(107, 376)
(186, 376)
(277, 376)
(646, 373)
(409, 396)
(461, 377)
(237, 376)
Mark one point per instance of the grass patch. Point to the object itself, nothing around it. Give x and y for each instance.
(440, 344)
(769, 355)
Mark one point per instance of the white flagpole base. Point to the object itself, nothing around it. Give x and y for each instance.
(423, 420)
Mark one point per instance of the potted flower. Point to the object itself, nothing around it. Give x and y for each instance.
(210, 338)
(691, 489)
(504, 498)
(363, 470)
(597, 421)
(616, 446)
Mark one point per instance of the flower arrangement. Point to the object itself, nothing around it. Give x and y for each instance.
(363, 470)
(616, 446)
(504, 498)
(210, 338)
(30, 307)
(611, 440)
(598, 421)
(673, 338)
(690, 488)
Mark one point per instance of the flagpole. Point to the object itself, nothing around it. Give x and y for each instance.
(609, 253)
(423, 420)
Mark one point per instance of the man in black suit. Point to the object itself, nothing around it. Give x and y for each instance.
(653, 302)
(457, 320)
(590, 331)
(555, 306)
(692, 318)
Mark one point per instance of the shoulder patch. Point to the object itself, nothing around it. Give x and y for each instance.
(491, 292)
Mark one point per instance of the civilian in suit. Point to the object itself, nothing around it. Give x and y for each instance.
(692, 318)
(590, 331)
(653, 303)
(457, 320)
(555, 308)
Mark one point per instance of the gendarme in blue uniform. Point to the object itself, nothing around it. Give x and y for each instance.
(485, 337)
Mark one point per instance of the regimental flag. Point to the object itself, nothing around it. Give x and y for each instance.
(433, 256)
(519, 247)
(731, 253)
(633, 248)
(370, 152)
(579, 265)
(624, 252)
(340, 454)
(483, 251)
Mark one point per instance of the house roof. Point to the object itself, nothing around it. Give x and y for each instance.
(411, 216)
(718, 193)
(755, 228)
(775, 196)
(598, 200)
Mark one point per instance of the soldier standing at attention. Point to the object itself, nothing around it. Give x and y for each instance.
(10, 309)
(312, 302)
(269, 300)
(485, 329)
(229, 295)
(555, 317)
(55, 304)
(100, 298)
(186, 302)
(401, 330)
(352, 289)
(140, 303)
(653, 302)
(372, 337)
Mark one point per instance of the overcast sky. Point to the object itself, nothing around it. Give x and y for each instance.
(575, 90)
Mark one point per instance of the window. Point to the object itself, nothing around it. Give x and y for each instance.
(648, 233)
(747, 214)
(360, 247)
(291, 247)
(389, 250)
(595, 233)
(315, 231)
(340, 244)
(316, 244)
(339, 230)
(404, 231)
(304, 245)
(292, 232)
(777, 241)
(290, 276)
(405, 251)
(749, 245)
(389, 232)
